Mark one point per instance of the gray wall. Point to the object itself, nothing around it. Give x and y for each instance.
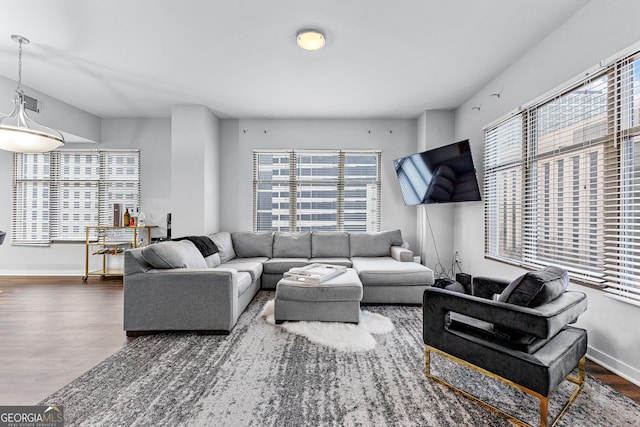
(396, 138)
(596, 32)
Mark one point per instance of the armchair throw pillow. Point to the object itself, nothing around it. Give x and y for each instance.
(535, 288)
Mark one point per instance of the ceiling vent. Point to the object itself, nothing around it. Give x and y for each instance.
(31, 104)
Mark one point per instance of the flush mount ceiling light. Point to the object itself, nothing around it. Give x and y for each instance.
(18, 132)
(310, 39)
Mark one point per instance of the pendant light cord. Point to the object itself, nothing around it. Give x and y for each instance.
(19, 88)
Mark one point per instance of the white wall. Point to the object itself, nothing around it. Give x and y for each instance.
(77, 125)
(435, 221)
(194, 170)
(599, 30)
(153, 138)
(396, 138)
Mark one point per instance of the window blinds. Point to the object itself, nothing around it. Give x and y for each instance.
(75, 193)
(622, 184)
(562, 182)
(58, 194)
(503, 189)
(322, 190)
(31, 198)
(564, 166)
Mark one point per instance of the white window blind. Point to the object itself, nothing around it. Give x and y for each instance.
(75, 193)
(503, 189)
(562, 182)
(622, 184)
(58, 194)
(321, 190)
(31, 198)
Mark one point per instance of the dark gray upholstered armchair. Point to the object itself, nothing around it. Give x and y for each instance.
(522, 338)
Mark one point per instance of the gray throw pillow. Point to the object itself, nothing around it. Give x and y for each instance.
(328, 244)
(248, 244)
(181, 254)
(292, 245)
(374, 244)
(536, 287)
(225, 245)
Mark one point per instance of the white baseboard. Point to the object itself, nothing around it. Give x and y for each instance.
(616, 366)
(41, 273)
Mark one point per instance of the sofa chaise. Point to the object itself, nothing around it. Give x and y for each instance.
(172, 286)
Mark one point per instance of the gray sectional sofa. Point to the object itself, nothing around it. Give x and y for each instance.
(172, 286)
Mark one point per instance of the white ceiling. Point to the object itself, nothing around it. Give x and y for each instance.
(383, 58)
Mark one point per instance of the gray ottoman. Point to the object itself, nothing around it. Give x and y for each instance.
(336, 300)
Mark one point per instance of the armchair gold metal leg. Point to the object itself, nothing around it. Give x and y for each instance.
(580, 382)
(544, 400)
(427, 362)
(544, 411)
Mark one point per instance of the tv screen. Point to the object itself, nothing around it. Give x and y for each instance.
(442, 175)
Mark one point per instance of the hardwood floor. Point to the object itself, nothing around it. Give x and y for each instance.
(53, 329)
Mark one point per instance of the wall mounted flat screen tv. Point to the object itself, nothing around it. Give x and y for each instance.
(442, 175)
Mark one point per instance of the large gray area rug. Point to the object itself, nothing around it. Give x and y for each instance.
(263, 376)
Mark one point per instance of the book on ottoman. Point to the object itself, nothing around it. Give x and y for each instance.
(314, 274)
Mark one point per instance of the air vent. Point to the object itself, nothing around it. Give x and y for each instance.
(31, 104)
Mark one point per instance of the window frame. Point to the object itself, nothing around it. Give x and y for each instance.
(298, 183)
(609, 170)
(66, 171)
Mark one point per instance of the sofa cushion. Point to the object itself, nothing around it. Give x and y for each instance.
(292, 245)
(535, 288)
(213, 260)
(248, 244)
(244, 281)
(388, 271)
(224, 244)
(466, 326)
(331, 260)
(329, 244)
(282, 265)
(181, 254)
(252, 266)
(374, 244)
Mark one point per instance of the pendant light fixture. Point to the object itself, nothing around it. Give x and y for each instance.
(18, 132)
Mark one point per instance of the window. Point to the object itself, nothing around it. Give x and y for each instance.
(58, 194)
(562, 182)
(321, 190)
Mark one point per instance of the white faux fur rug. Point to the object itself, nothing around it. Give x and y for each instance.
(341, 336)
